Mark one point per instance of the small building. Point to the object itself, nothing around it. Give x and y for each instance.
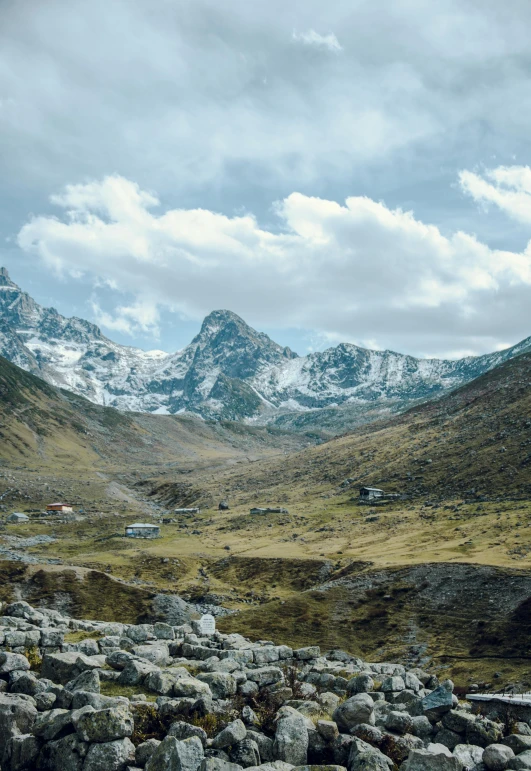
(268, 510)
(62, 507)
(187, 511)
(18, 516)
(142, 530)
(370, 493)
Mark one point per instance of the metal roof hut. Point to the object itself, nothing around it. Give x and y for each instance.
(18, 516)
(142, 530)
(370, 493)
(58, 507)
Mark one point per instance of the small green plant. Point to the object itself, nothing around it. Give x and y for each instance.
(148, 724)
(33, 656)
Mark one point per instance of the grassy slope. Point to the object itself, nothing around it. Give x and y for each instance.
(48, 428)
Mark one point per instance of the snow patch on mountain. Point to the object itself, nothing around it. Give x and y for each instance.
(228, 371)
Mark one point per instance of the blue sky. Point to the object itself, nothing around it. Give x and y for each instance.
(164, 159)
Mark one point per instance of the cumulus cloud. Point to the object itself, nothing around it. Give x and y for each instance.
(507, 187)
(313, 38)
(330, 267)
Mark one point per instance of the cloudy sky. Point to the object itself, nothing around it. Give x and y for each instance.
(349, 170)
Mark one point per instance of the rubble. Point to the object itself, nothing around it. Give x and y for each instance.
(182, 702)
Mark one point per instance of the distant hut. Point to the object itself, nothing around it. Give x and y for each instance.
(61, 507)
(187, 511)
(370, 493)
(19, 517)
(142, 530)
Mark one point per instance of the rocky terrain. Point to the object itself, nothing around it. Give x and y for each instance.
(79, 695)
(228, 371)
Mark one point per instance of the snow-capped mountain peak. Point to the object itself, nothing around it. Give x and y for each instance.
(229, 370)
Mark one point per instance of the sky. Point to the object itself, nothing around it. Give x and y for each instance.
(345, 171)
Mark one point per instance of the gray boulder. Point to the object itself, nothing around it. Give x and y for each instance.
(470, 756)
(174, 755)
(291, 738)
(105, 725)
(364, 757)
(424, 760)
(235, 732)
(222, 684)
(17, 716)
(86, 681)
(67, 754)
(361, 684)
(521, 762)
(217, 764)
(437, 703)
(110, 756)
(518, 743)
(245, 753)
(135, 671)
(63, 667)
(20, 753)
(358, 709)
(144, 751)
(11, 662)
(496, 757)
(181, 730)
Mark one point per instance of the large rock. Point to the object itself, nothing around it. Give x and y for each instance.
(364, 757)
(135, 671)
(191, 687)
(86, 681)
(291, 738)
(175, 755)
(484, 732)
(111, 756)
(171, 609)
(235, 732)
(518, 742)
(17, 716)
(12, 662)
(521, 762)
(158, 653)
(437, 703)
(470, 756)
(426, 760)
(358, 709)
(63, 667)
(20, 753)
(105, 725)
(222, 684)
(67, 754)
(496, 757)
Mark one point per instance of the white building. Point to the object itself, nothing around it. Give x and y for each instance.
(17, 516)
(142, 530)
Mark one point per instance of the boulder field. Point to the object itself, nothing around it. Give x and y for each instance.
(164, 698)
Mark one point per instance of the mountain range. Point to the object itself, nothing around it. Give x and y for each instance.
(228, 371)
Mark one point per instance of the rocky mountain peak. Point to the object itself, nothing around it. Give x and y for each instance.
(229, 370)
(5, 280)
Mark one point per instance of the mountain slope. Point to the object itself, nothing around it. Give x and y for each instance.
(228, 371)
(42, 426)
(473, 441)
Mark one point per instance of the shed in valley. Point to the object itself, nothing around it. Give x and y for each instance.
(187, 511)
(142, 530)
(18, 516)
(370, 493)
(62, 507)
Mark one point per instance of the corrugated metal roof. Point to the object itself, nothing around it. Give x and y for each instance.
(140, 524)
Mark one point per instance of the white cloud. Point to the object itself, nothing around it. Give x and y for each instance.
(313, 38)
(141, 318)
(353, 271)
(508, 187)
